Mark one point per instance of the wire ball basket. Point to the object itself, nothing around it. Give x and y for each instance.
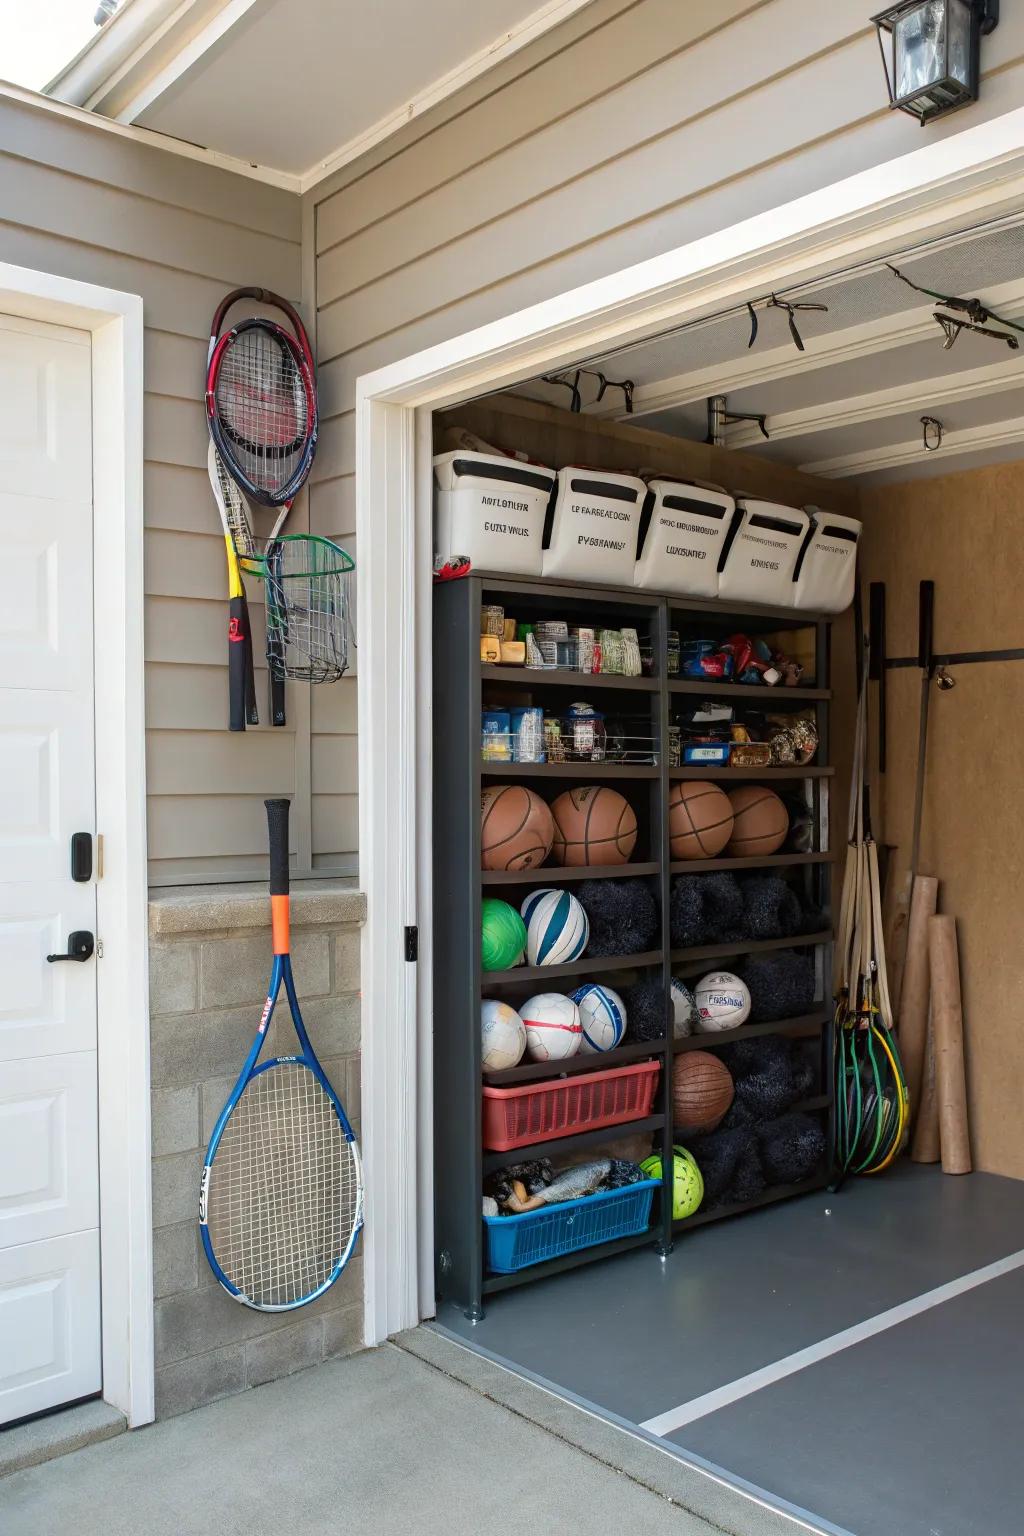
(310, 592)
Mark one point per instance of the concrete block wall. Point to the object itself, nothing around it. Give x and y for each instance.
(209, 962)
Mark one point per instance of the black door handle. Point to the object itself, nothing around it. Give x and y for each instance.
(80, 947)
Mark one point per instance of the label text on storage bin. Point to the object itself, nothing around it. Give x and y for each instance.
(589, 511)
(770, 543)
(706, 533)
(589, 543)
(691, 554)
(524, 533)
(504, 504)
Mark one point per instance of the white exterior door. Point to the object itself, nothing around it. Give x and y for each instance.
(49, 1176)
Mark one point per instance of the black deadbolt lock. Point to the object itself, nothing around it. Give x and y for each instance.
(80, 947)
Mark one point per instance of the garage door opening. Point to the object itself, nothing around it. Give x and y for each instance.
(648, 676)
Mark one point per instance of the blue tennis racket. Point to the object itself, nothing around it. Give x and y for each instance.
(281, 1198)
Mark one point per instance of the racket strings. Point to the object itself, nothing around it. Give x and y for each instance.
(262, 406)
(284, 1197)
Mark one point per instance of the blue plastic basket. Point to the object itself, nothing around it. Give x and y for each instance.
(515, 1242)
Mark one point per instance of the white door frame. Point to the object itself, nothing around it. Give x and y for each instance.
(122, 975)
(969, 178)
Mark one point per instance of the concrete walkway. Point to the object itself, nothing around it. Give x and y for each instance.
(381, 1444)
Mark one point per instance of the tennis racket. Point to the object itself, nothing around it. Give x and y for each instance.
(241, 541)
(281, 1198)
(242, 709)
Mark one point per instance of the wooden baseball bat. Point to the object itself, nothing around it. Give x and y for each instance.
(913, 1020)
(948, 1025)
(926, 1148)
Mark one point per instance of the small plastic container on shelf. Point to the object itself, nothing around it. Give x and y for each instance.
(761, 555)
(826, 570)
(536, 1112)
(682, 534)
(491, 509)
(515, 1242)
(592, 526)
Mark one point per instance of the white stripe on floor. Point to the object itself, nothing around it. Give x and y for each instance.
(733, 1391)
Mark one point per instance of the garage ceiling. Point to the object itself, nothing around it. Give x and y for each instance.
(851, 403)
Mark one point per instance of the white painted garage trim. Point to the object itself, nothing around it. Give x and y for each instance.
(974, 176)
(115, 322)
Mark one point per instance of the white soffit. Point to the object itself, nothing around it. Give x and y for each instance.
(303, 86)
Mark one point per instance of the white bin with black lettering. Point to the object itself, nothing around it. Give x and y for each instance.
(491, 509)
(826, 572)
(593, 526)
(761, 555)
(683, 531)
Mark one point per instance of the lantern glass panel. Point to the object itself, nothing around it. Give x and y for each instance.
(919, 46)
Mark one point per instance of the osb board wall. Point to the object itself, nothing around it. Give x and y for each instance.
(557, 437)
(966, 533)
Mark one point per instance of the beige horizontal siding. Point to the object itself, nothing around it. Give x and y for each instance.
(88, 205)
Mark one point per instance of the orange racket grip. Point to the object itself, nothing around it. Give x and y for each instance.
(279, 918)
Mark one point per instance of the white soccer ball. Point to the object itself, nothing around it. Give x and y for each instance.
(557, 929)
(684, 1010)
(723, 1002)
(553, 1028)
(504, 1035)
(603, 1016)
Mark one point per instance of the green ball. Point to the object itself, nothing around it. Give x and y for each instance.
(687, 1181)
(502, 934)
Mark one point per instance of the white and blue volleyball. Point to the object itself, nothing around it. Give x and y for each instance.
(557, 930)
(723, 1002)
(603, 1016)
(684, 1010)
(531, 901)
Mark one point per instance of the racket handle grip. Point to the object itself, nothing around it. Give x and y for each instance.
(277, 824)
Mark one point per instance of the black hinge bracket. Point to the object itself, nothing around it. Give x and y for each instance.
(412, 943)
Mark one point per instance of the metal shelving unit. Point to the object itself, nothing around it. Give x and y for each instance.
(460, 1163)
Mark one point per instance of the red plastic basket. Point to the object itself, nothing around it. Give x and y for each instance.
(518, 1117)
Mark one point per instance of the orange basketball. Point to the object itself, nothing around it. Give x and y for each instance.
(760, 821)
(593, 825)
(515, 828)
(702, 1091)
(699, 819)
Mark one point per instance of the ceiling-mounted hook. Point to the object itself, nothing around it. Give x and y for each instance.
(576, 402)
(932, 432)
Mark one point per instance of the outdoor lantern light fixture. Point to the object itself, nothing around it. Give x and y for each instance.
(930, 51)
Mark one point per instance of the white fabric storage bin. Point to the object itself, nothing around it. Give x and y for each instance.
(682, 535)
(492, 510)
(593, 526)
(761, 556)
(826, 572)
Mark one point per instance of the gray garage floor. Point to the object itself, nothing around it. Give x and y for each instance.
(856, 1358)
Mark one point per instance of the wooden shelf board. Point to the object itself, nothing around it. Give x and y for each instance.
(746, 690)
(709, 771)
(769, 1197)
(532, 1272)
(600, 1061)
(585, 966)
(492, 1161)
(580, 773)
(750, 946)
(706, 1039)
(562, 677)
(767, 861)
(559, 876)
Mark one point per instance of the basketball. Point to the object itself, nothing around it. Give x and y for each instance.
(502, 935)
(593, 825)
(760, 821)
(723, 1002)
(515, 828)
(553, 1028)
(557, 929)
(603, 1016)
(700, 819)
(702, 1091)
(504, 1035)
